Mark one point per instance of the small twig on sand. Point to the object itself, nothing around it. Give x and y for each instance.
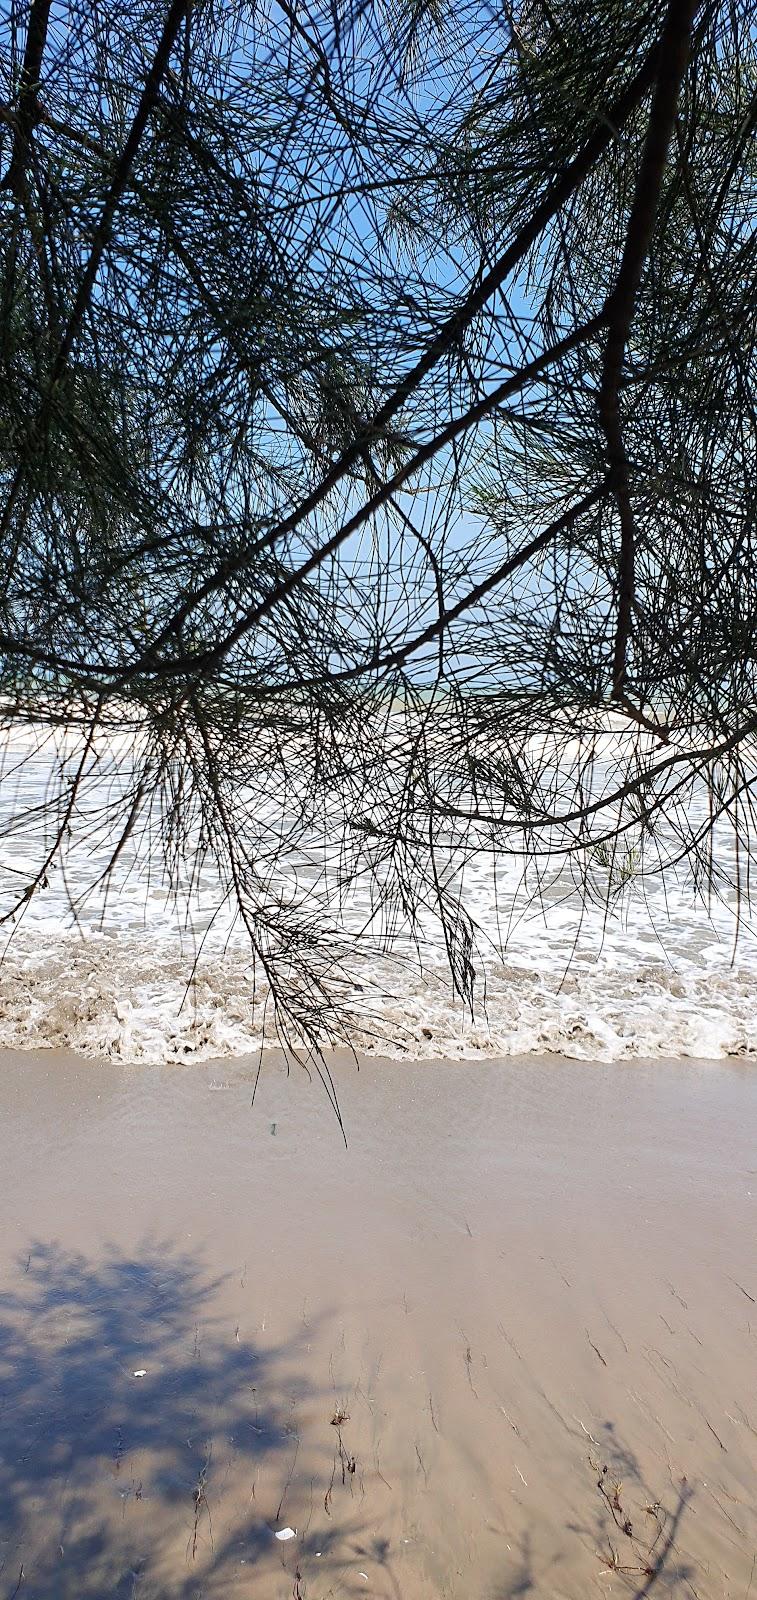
(468, 1366)
(201, 1503)
(715, 1435)
(329, 1491)
(380, 1474)
(751, 1575)
(290, 1476)
(594, 1348)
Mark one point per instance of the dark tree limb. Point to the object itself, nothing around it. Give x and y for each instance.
(675, 44)
(176, 16)
(27, 115)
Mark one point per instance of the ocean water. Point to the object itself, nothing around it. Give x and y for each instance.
(119, 966)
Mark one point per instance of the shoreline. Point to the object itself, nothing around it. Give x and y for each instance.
(418, 1351)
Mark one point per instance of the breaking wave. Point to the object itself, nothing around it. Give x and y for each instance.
(648, 972)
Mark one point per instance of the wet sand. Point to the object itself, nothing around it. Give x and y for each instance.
(419, 1352)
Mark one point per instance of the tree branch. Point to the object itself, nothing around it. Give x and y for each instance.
(455, 325)
(176, 15)
(675, 44)
(27, 114)
(425, 453)
(449, 614)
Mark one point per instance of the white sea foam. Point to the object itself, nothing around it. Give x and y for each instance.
(654, 975)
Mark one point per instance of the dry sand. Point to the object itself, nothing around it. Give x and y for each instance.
(419, 1352)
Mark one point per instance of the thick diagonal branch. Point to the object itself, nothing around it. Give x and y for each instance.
(176, 16)
(675, 44)
(27, 114)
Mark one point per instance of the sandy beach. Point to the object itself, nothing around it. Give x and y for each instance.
(418, 1352)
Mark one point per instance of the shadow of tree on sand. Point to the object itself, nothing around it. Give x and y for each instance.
(127, 1415)
(148, 1451)
(630, 1536)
